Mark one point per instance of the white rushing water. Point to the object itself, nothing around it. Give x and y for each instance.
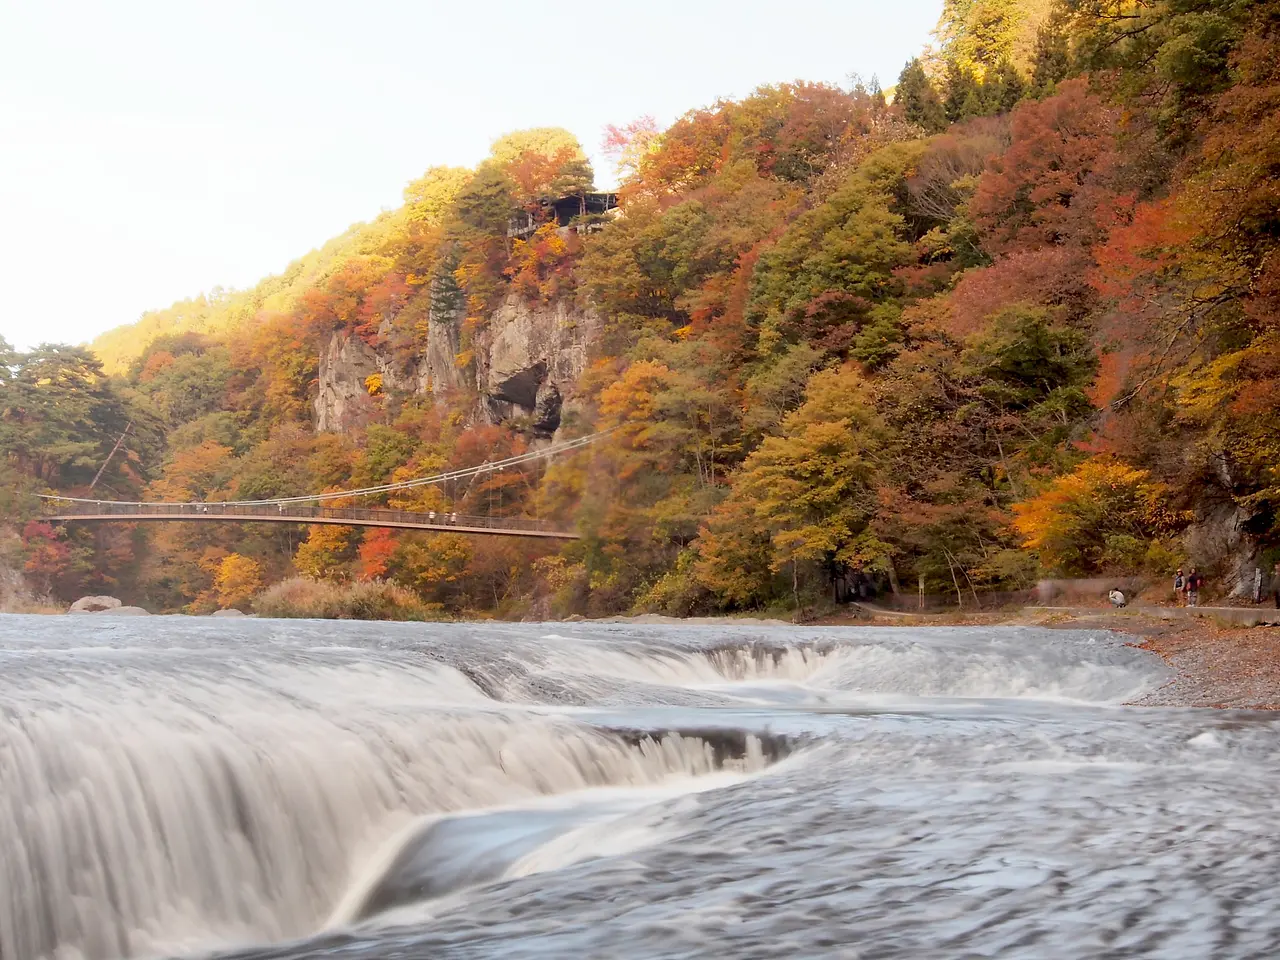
(177, 786)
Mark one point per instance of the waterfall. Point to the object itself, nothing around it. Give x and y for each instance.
(189, 809)
(186, 785)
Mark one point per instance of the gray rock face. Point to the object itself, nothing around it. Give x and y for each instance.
(546, 410)
(1221, 538)
(527, 360)
(343, 400)
(94, 605)
(439, 373)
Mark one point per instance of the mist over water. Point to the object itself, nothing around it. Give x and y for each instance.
(282, 788)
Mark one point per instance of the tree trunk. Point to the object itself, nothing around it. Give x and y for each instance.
(795, 588)
(959, 595)
(972, 588)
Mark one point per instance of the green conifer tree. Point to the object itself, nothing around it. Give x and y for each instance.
(1051, 61)
(1003, 87)
(920, 101)
(964, 96)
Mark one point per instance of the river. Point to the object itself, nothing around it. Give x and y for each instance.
(255, 788)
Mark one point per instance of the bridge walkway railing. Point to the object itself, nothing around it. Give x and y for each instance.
(291, 512)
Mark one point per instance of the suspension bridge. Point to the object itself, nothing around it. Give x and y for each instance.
(321, 507)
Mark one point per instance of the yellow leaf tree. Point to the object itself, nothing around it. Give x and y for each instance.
(806, 497)
(326, 551)
(238, 580)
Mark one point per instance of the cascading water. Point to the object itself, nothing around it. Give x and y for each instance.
(160, 797)
(177, 786)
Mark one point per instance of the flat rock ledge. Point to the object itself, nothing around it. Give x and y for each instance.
(107, 605)
(95, 605)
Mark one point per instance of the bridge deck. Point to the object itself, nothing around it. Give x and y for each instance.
(345, 516)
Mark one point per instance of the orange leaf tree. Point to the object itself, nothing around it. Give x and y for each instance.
(1104, 515)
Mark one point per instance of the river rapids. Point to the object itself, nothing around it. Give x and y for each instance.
(288, 789)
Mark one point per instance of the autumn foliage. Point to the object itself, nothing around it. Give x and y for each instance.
(1103, 516)
(238, 580)
(1020, 316)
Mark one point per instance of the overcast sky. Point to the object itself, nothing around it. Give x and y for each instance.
(153, 150)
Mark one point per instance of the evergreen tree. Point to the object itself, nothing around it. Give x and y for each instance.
(1003, 88)
(920, 101)
(60, 416)
(964, 95)
(1051, 61)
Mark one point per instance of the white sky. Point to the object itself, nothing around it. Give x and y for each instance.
(153, 150)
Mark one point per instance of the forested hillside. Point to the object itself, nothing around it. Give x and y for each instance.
(1021, 316)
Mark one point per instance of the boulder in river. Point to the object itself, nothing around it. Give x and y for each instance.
(126, 612)
(229, 612)
(94, 605)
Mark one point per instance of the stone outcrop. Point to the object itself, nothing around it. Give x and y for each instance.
(94, 605)
(524, 364)
(529, 358)
(1220, 542)
(16, 595)
(343, 400)
(439, 372)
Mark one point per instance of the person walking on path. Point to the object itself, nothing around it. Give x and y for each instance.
(1194, 584)
(1180, 585)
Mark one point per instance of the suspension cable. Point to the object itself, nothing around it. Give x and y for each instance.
(487, 467)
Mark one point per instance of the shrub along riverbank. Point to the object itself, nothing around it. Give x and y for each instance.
(302, 598)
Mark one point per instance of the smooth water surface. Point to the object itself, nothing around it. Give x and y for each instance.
(173, 786)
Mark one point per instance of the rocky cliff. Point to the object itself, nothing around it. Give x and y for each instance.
(525, 363)
(528, 361)
(343, 400)
(440, 372)
(1220, 543)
